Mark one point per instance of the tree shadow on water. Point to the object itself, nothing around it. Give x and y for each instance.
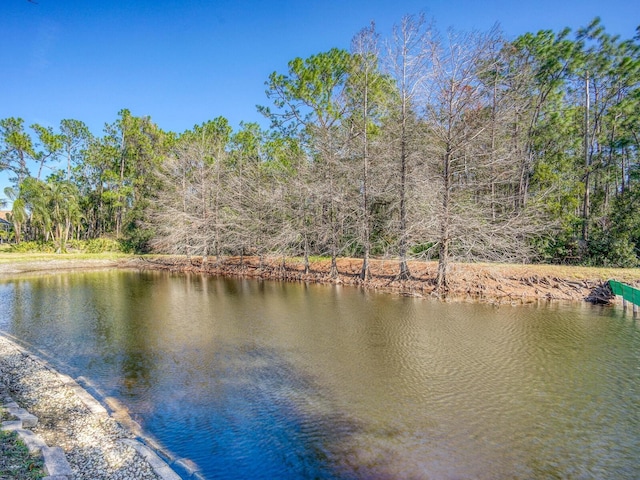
(258, 416)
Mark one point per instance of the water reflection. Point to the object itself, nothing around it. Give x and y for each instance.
(270, 380)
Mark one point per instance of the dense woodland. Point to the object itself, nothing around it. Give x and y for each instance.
(427, 144)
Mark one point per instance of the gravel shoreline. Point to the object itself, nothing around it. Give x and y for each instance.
(95, 445)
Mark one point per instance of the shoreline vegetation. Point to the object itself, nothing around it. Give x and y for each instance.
(481, 282)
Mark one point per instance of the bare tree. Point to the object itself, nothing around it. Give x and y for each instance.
(406, 61)
(187, 214)
(366, 92)
(452, 115)
(310, 101)
(173, 213)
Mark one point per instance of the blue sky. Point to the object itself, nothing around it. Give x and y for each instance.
(186, 62)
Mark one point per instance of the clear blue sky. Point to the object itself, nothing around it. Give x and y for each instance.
(186, 62)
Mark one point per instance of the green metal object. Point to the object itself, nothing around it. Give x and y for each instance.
(627, 292)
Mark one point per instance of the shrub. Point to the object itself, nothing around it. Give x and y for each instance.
(101, 245)
(610, 251)
(96, 245)
(33, 247)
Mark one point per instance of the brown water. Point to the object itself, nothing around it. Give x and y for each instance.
(271, 380)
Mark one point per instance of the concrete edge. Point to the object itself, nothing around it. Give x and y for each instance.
(54, 460)
(160, 467)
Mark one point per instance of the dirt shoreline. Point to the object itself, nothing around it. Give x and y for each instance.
(488, 283)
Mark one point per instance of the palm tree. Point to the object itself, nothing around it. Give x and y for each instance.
(62, 201)
(18, 212)
(32, 197)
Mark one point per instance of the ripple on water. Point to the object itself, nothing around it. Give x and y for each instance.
(269, 380)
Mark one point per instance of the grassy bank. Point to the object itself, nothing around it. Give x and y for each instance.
(12, 263)
(6, 257)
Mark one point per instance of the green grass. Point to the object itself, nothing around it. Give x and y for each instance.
(15, 460)
(312, 258)
(13, 257)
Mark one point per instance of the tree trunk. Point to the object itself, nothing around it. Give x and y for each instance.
(333, 271)
(442, 280)
(586, 199)
(404, 274)
(306, 254)
(365, 274)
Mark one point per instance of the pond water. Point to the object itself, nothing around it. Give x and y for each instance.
(255, 379)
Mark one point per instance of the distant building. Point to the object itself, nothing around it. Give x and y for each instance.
(5, 225)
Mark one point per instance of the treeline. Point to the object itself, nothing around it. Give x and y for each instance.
(450, 146)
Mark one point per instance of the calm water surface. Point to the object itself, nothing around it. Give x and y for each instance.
(268, 380)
